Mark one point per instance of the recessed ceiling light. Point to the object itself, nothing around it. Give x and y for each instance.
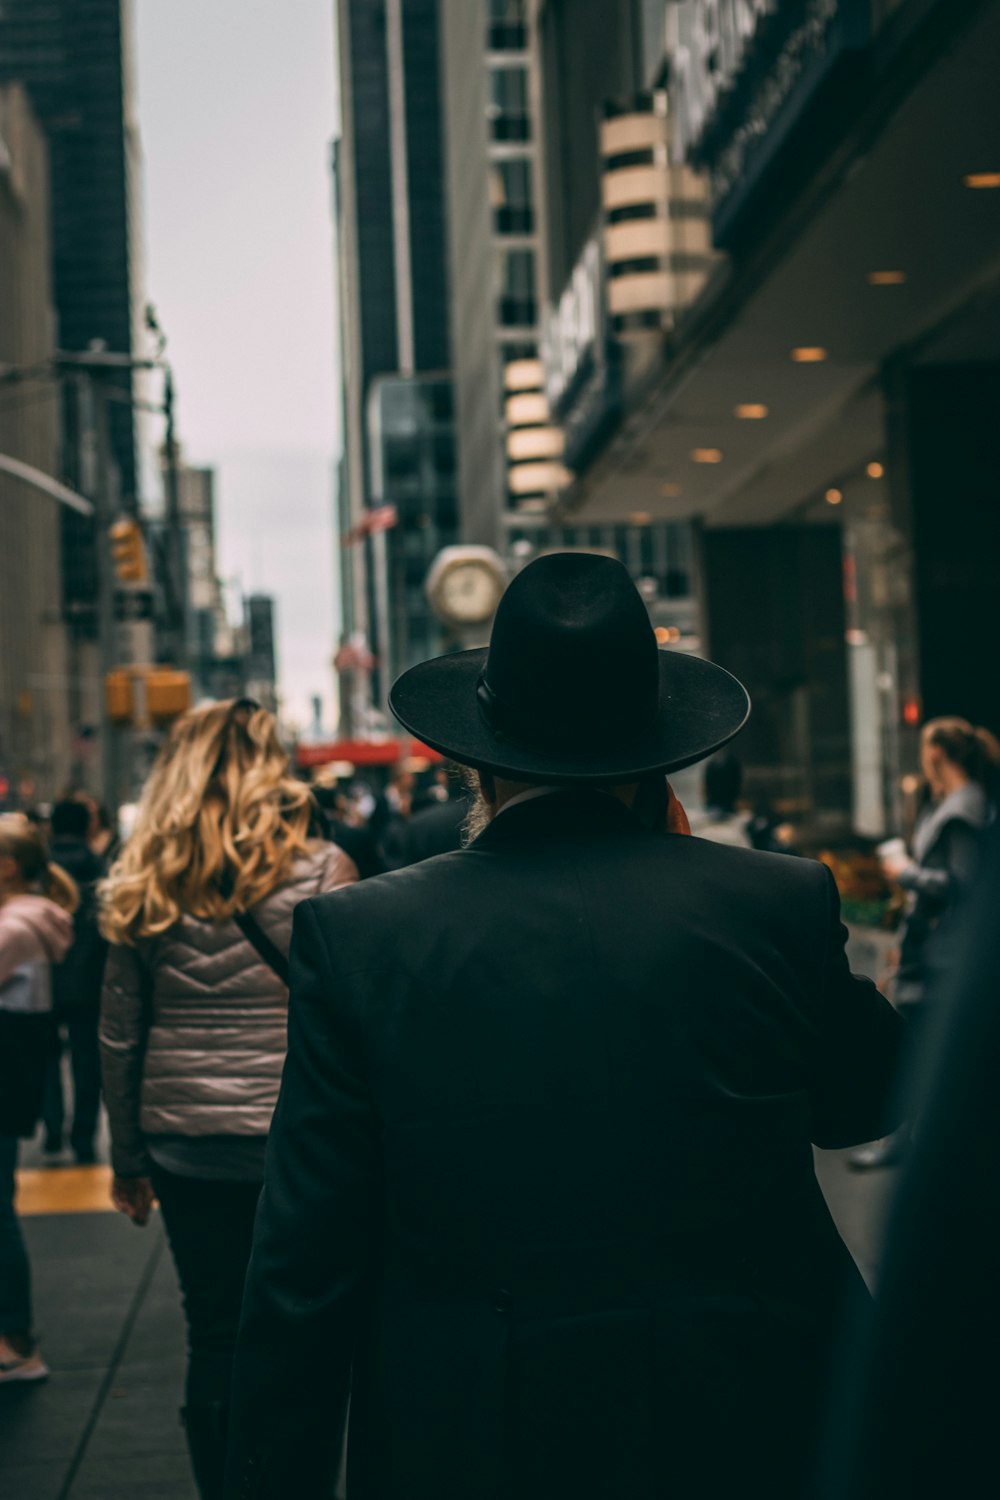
(834, 497)
(875, 471)
(982, 180)
(886, 278)
(640, 518)
(751, 411)
(809, 354)
(706, 455)
(670, 491)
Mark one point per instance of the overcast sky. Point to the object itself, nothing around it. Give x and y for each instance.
(236, 110)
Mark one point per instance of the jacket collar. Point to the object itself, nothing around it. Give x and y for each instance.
(564, 812)
(966, 804)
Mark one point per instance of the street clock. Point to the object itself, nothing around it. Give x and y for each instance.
(464, 585)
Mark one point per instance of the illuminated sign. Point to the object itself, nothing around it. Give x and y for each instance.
(713, 40)
(582, 374)
(743, 74)
(572, 330)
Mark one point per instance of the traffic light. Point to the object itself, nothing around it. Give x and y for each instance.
(133, 693)
(168, 694)
(128, 552)
(118, 696)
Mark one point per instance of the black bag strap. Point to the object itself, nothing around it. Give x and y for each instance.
(268, 951)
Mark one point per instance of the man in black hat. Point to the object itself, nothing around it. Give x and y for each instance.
(540, 1184)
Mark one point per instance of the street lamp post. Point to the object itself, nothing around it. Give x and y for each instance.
(102, 501)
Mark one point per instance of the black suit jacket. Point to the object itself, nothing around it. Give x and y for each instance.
(541, 1171)
(434, 830)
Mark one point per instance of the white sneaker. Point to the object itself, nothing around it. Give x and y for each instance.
(14, 1366)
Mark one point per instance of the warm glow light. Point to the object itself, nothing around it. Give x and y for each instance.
(706, 455)
(834, 497)
(666, 634)
(875, 471)
(911, 712)
(909, 785)
(886, 278)
(640, 518)
(982, 180)
(670, 491)
(809, 354)
(751, 411)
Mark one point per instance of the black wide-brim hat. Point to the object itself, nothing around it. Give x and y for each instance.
(573, 687)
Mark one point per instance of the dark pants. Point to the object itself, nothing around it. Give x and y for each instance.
(210, 1228)
(85, 1062)
(15, 1273)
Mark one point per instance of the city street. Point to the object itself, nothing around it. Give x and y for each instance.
(106, 1427)
(499, 541)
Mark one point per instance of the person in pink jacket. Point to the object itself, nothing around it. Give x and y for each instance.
(37, 900)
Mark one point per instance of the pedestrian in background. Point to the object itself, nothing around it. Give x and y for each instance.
(914, 1414)
(77, 991)
(355, 839)
(37, 900)
(198, 910)
(721, 821)
(438, 826)
(961, 769)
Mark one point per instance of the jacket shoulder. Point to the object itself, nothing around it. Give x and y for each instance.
(358, 921)
(757, 864)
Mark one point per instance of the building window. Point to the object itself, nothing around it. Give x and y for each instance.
(441, 402)
(509, 109)
(512, 197)
(644, 157)
(516, 306)
(506, 29)
(515, 351)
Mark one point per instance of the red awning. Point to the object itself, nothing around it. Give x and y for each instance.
(362, 752)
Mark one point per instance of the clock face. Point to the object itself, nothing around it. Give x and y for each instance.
(469, 592)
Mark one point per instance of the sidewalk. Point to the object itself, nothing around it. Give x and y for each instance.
(105, 1427)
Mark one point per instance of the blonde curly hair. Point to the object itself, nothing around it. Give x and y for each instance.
(220, 824)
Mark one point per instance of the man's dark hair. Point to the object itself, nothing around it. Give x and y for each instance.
(70, 819)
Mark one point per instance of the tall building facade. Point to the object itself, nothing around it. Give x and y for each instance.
(398, 485)
(74, 58)
(216, 648)
(35, 740)
(821, 406)
(473, 301)
(584, 269)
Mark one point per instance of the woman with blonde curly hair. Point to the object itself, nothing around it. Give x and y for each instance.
(198, 910)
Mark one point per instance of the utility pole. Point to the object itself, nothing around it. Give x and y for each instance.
(97, 471)
(90, 367)
(129, 607)
(176, 534)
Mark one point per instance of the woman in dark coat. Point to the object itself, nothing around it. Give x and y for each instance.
(961, 767)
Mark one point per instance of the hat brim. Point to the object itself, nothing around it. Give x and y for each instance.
(702, 707)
